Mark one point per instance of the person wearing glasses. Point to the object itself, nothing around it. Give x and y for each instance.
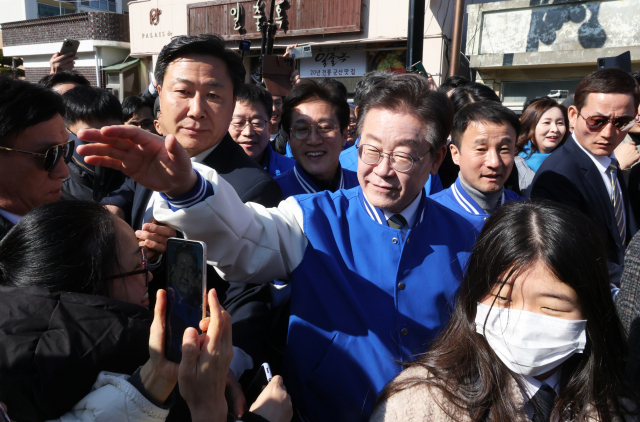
(483, 142)
(373, 270)
(584, 173)
(34, 149)
(250, 127)
(316, 115)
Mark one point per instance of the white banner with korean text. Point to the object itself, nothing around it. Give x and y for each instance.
(334, 64)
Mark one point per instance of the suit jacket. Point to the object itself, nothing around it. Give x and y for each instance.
(628, 305)
(249, 305)
(570, 177)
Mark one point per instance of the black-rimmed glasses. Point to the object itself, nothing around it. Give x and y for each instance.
(597, 123)
(399, 161)
(144, 270)
(52, 155)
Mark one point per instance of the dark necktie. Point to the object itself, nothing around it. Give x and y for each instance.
(396, 221)
(616, 200)
(543, 402)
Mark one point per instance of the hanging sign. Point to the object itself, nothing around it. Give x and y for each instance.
(334, 64)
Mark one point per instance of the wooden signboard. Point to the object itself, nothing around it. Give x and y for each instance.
(234, 20)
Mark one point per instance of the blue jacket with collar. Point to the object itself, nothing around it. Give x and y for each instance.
(296, 182)
(364, 298)
(458, 200)
(274, 163)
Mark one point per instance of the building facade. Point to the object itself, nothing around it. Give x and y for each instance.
(104, 41)
(348, 37)
(528, 48)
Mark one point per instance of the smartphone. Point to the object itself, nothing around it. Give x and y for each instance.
(186, 286)
(69, 46)
(261, 379)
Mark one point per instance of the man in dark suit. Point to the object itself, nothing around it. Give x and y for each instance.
(198, 80)
(584, 173)
(33, 149)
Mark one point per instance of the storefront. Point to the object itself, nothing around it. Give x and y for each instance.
(348, 37)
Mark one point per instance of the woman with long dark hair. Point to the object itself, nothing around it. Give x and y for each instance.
(534, 335)
(545, 126)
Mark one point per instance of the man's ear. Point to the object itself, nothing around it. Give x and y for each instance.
(356, 111)
(455, 154)
(159, 88)
(438, 159)
(573, 115)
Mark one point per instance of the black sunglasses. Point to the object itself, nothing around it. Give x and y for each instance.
(52, 155)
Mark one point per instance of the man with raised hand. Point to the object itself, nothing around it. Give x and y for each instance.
(374, 269)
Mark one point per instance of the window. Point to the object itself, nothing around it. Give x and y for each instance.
(109, 5)
(46, 10)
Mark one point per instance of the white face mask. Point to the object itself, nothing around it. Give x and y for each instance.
(528, 343)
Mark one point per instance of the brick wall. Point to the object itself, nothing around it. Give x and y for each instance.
(79, 26)
(34, 74)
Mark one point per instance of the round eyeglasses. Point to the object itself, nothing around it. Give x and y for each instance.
(399, 161)
(597, 123)
(145, 269)
(52, 155)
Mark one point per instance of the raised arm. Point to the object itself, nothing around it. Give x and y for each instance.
(245, 242)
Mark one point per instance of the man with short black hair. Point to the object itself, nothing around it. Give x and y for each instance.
(90, 108)
(373, 270)
(250, 128)
(483, 143)
(63, 81)
(34, 149)
(584, 173)
(316, 117)
(138, 112)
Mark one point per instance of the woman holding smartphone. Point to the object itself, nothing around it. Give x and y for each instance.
(534, 335)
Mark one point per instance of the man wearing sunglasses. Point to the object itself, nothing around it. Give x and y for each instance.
(34, 149)
(584, 173)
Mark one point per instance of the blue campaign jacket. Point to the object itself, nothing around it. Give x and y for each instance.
(363, 298)
(458, 200)
(274, 163)
(349, 161)
(296, 182)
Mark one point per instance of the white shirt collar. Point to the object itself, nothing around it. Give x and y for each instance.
(10, 216)
(532, 385)
(200, 157)
(409, 213)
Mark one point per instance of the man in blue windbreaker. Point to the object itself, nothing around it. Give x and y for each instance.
(483, 143)
(374, 269)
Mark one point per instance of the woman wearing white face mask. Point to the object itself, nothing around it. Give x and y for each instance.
(534, 335)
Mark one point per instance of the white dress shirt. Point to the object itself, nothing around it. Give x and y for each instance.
(409, 213)
(532, 385)
(602, 163)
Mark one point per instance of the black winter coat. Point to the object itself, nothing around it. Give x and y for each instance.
(53, 345)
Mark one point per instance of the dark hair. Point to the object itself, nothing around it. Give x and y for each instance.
(87, 103)
(310, 90)
(636, 76)
(481, 112)
(63, 77)
(132, 104)
(530, 119)
(607, 81)
(472, 93)
(367, 82)
(533, 100)
(453, 82)
(336, 85)
(23, 104)
(250, 93)
(462, 365)
(206, 45)
(411, 93)
(65, 246)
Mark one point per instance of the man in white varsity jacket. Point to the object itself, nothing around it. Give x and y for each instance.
(373, 269)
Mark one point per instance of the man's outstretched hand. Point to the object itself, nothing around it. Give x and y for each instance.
(161, 165)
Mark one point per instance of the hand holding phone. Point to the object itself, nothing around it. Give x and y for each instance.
(262, 379)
